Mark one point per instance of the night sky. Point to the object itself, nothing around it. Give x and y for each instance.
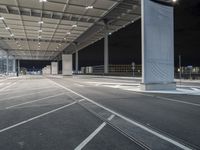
(125, 45)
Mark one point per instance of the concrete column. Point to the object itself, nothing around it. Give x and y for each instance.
(54, 68)
(18, 67)
(14, 65)
(7, 63)
(106, 54)
(67, 64)
(157, 46)
(76, 54)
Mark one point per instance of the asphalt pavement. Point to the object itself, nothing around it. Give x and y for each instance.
(57, 113)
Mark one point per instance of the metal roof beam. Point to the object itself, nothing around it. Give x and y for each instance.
(25, 50)
(33, 40)
(47, 13)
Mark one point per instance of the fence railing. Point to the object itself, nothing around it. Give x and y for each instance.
(126, 70)
(122, 69)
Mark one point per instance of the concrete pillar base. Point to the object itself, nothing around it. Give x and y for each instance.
(158, 86)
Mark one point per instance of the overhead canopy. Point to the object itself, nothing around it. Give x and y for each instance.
(35, 29)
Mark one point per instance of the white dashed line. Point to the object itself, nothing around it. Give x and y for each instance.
(7, 86)
(10, 98)
(36, 117)
(37, 100)
(93, 134)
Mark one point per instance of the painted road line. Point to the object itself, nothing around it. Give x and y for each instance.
(168, 99)
(196, 89)
(81, 100)
(36, 117)
(93, 134)
(37, 100)
(76, 84)
(164, 98)
(168, 139)
(7, 86)
(8, 91)
(3, 80)
(178, 101)
(10, 98)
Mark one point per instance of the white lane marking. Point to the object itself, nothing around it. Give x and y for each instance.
(178, 101)
(169, 99)
(196, 89)
(163, 98)
(129, 120)
(10, 98)
(37, 100)
(3, 80)
(24, 90)
(36, 117)
(113, 83)
(7, 86)
(76, 84)
(93, 134)
(81, 100)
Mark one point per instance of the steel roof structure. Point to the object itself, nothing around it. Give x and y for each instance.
(43, 29)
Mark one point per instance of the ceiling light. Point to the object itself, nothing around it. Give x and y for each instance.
(43, 1)
(7, 28)
(40, 22)
(1, 18)
(74, 26)
(39, 30)
(12, 35)
(68, 33)
(89, 7)
(174, 1)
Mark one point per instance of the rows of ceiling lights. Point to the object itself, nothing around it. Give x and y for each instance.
(40, 30)
(11, 34)
(68, 33)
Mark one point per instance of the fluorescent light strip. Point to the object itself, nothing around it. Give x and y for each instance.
(89, 7)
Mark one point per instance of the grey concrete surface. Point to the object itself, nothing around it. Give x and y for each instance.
(33, 121)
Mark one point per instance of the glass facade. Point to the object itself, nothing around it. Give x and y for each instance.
(5, 61)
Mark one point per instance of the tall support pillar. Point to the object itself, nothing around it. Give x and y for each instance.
(54, 68)
(157, 46)
(67, 64)
(76, 54)
(106, 54)
(7, 63)
(18, 67)
(14, 65)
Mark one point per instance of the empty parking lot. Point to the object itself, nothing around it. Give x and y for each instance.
(56, 113)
